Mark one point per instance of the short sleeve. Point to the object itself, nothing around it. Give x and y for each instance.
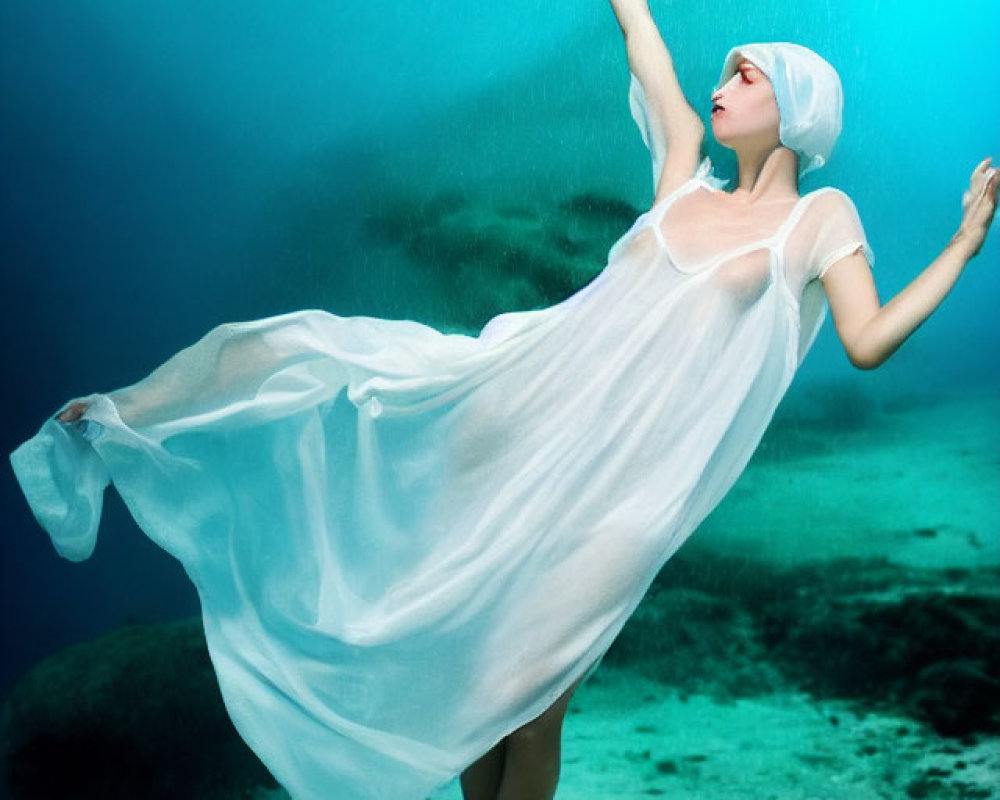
(654, 137)
(839, 233)
(649, 126)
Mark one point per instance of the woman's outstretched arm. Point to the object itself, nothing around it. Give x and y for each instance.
(869, 333)
(650, 62)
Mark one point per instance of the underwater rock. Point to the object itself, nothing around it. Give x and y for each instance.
(956, 697)
(599, 208)
(697, 643)
(483, 260)
(135, 714)
(937, 655)
(921, 642)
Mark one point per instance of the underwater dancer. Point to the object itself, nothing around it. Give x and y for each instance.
(410, 547)
(778, 107)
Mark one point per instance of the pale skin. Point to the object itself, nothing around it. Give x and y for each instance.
(768, 174)
(525, 764)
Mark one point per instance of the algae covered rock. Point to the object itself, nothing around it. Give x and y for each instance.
(136, 713)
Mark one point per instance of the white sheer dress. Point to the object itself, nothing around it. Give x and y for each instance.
(408, 543)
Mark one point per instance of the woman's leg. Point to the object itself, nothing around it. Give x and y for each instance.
(531, 770)
(533, 754)
(481, 779)
(525, 764)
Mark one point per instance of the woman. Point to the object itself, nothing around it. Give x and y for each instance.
(412, 547)
(773, 152)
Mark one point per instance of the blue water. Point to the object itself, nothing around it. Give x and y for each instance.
(170, 166)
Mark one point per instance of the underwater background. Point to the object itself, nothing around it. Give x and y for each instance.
(170, 166)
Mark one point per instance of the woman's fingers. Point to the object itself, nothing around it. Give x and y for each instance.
(981, 174)
(990, 184)
(985, 180)
(980, 202)
(72, 412)
(979, 183)
(981, 169)
(985, 205)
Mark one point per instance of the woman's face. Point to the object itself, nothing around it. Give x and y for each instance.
(749, 109)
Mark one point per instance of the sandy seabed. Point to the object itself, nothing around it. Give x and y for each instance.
(625, 737)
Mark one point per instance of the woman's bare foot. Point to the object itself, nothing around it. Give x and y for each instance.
(73, 412)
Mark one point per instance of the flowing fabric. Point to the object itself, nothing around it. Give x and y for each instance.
(408, 543)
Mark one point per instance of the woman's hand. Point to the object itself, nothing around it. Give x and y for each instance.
(979, 204)
(73, 412)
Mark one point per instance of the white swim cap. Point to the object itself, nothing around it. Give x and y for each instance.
(810, 97)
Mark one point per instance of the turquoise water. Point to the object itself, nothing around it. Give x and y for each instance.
(166, 167)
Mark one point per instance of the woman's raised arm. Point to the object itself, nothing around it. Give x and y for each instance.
(871, 334)
(650, 62)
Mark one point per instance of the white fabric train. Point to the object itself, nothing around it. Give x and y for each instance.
(408, 543)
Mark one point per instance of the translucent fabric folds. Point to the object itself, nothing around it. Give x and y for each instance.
(408, 543)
